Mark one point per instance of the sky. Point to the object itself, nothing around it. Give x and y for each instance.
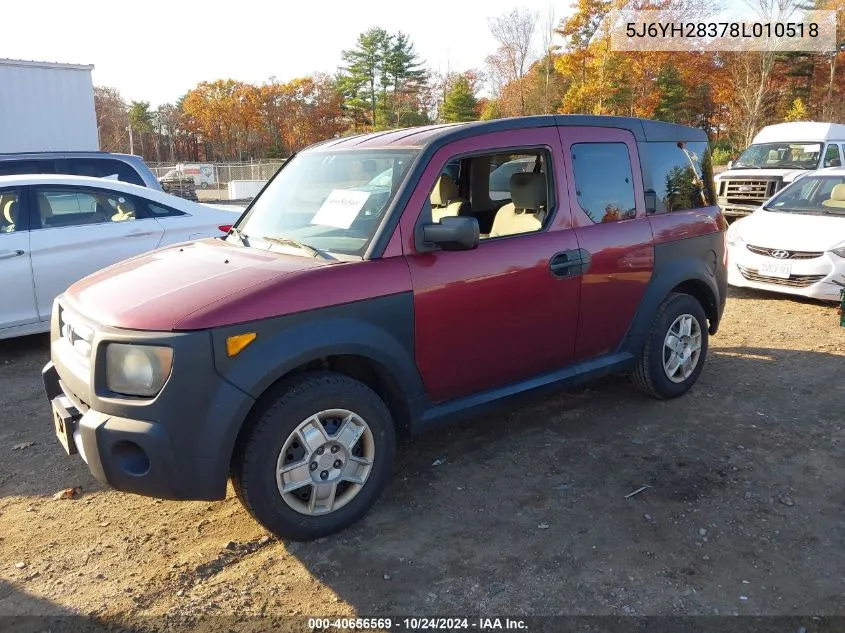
(157, 50)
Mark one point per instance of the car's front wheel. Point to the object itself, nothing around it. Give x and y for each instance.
(675, 349)
(316, 457)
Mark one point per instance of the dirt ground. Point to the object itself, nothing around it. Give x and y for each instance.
(526, 514)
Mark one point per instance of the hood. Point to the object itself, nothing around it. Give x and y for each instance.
(788, 175)
(160, 289)
(791, 231)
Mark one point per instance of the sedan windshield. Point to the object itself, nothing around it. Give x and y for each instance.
(326, 202)
(817, 195)
(780, 156)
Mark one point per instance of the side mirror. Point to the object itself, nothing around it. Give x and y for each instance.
(454, 233)
(730, 164)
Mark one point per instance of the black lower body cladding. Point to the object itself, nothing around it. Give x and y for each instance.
(178, 445)
(168, 446)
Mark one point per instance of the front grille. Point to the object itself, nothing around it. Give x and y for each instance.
(77, 334)
(790, 254)
(748, 190)
(794, 281)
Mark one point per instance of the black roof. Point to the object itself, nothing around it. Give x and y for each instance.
(422, 136)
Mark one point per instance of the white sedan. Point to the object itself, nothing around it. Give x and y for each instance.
(795, 242)
(55, 230)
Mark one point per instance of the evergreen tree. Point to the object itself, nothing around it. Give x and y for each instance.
(460, 103)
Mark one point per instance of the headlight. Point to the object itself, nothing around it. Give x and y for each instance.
(137, 370)
(734, 238)
(839, 251)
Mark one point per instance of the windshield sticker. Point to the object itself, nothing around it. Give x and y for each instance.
(340, 208)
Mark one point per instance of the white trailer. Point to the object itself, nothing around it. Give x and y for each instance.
(46, 107)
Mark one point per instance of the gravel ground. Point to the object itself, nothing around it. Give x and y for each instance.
(526, 514)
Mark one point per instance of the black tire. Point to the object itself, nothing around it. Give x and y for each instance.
(649, 375)
(260, 443)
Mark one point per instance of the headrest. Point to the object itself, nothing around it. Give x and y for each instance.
(44, 208)
(10, 211)
(528, 190)
(773, 154)
(838, 193)
(445, 190)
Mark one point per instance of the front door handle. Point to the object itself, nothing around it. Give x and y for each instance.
(139, 233)
(570, 263)
(10, 254)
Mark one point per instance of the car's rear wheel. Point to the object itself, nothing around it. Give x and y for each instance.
(675, 349)
(316, 457)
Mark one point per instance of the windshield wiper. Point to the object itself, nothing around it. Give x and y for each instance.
(747, 167)
(286, 241)
(242, 238)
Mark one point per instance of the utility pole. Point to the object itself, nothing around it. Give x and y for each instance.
(131, 140)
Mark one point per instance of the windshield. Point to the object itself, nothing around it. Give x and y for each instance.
(331, 200)
(780, 156)
(817, 195)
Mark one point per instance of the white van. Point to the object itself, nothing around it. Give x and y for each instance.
(777, 156)
(202, 174)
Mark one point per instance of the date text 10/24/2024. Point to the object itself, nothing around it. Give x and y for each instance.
(417, 624)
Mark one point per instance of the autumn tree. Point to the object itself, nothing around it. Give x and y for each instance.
(514, 33)
(751, 74)
(112, 119)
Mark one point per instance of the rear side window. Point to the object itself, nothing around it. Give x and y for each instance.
(161, 211)
(104, 168)
(681, 174)
(604, 181)
(60, 207)
(15, 167)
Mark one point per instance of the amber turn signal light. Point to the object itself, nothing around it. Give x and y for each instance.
(236, 344)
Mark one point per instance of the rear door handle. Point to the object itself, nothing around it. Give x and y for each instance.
(570, 263)
(10, 254)
(139, 233)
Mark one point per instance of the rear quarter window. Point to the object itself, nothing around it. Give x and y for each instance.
(104, 168)
(681, 175)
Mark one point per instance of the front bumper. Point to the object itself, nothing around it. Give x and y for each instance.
(126, 454)
(813, 278)
(174, 446)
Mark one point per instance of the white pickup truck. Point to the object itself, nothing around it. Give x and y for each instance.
(777, 156)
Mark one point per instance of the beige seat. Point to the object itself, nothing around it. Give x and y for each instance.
(837, 198)
(774, 157)
(527, 209)
(45, 210)
(444, 199)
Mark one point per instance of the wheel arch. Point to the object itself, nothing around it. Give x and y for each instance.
(358, 349)
(687, 276)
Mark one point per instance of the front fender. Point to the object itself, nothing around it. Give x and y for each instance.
(274, 354)
(380, 330)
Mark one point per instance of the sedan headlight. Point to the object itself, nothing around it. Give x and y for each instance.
(839, 251)
(137, 370)
(733, 237)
